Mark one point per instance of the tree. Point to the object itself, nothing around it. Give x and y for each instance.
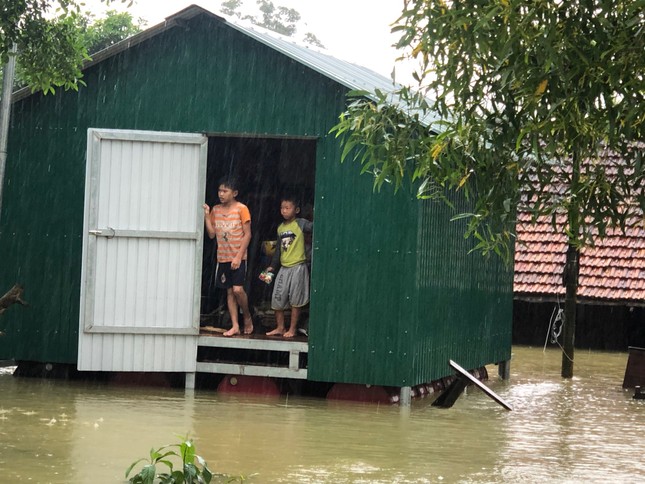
(51, 49)
(50, 52)
(279, 19)
(101, 33)
(526, 98)
(94, 34)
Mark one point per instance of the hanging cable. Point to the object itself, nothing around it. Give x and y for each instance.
(555, 325)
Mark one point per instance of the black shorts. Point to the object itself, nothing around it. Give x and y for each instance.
(227, 277)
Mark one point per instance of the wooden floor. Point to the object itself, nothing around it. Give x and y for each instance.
(293, 348)
(259, 333)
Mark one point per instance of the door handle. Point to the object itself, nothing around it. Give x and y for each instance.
(100, 233)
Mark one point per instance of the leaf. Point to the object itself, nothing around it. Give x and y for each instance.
(129, 469)
(167, 463)
(148, 474)
(541, 87)
(436, 150)
(358, 93)
(463, 181)
(462, 216)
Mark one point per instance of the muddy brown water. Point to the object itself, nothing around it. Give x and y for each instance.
(587, 429)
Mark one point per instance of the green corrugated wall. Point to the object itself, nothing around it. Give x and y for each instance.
(375, 317)
(399, 293)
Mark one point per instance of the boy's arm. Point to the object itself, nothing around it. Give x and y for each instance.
(246, 240)
(275, 260)
(208, 222)
(305, 225)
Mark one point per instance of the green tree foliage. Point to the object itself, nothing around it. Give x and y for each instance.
(518, 102)
(522, 93)
(279, 19)
(101, 33)
(51, 46)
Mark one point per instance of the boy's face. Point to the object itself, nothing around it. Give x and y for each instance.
(288, 210)
(226, 195)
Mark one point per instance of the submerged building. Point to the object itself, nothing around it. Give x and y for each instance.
(102, 220)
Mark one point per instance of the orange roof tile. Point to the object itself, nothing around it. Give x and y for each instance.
(613, 269)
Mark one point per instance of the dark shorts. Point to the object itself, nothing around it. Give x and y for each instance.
(227, 277)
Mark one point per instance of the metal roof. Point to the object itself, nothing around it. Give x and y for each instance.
(350, 75)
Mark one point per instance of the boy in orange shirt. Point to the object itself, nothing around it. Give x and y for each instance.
(230, 223)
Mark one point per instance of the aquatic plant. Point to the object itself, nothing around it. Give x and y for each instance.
(194, 469)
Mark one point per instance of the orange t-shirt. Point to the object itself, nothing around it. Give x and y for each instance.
(229, 230)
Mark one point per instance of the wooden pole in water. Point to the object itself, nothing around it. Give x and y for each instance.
(571, 272)
(504, 369)
(405, 396)
(570, 302)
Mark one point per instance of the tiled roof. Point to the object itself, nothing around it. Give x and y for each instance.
(613, 269)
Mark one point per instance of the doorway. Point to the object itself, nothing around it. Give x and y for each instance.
(266, 168)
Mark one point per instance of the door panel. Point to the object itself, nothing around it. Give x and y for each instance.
(142, 250)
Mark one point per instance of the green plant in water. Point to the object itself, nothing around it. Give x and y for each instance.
(194, 469)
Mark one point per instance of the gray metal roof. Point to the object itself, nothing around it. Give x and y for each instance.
(350, 75)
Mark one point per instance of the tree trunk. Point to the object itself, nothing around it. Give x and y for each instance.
(571, 271)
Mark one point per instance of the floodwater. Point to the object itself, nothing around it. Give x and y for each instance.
(587, 429)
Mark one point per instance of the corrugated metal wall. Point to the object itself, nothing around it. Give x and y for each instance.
(362, 301)
(465, 300)
(373, 320)
(398, 294)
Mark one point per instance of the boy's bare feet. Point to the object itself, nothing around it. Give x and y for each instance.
(276, 332)
(248, 326)
(289, 334)
(232, 332)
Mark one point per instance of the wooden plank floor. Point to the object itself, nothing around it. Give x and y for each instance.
(293, 348)
(259, 333)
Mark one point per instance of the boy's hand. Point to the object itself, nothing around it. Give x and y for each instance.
(235, 263)
(269, 269)
(207, 209)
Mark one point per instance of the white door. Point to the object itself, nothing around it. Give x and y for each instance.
(142, 251)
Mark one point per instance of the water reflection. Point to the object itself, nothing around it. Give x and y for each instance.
(585, 429)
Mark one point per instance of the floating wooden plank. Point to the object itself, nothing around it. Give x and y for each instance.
(450, 395)
(464, 374)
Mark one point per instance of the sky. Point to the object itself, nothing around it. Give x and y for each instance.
(354, 30)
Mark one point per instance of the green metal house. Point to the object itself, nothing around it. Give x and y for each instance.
(102, 221)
